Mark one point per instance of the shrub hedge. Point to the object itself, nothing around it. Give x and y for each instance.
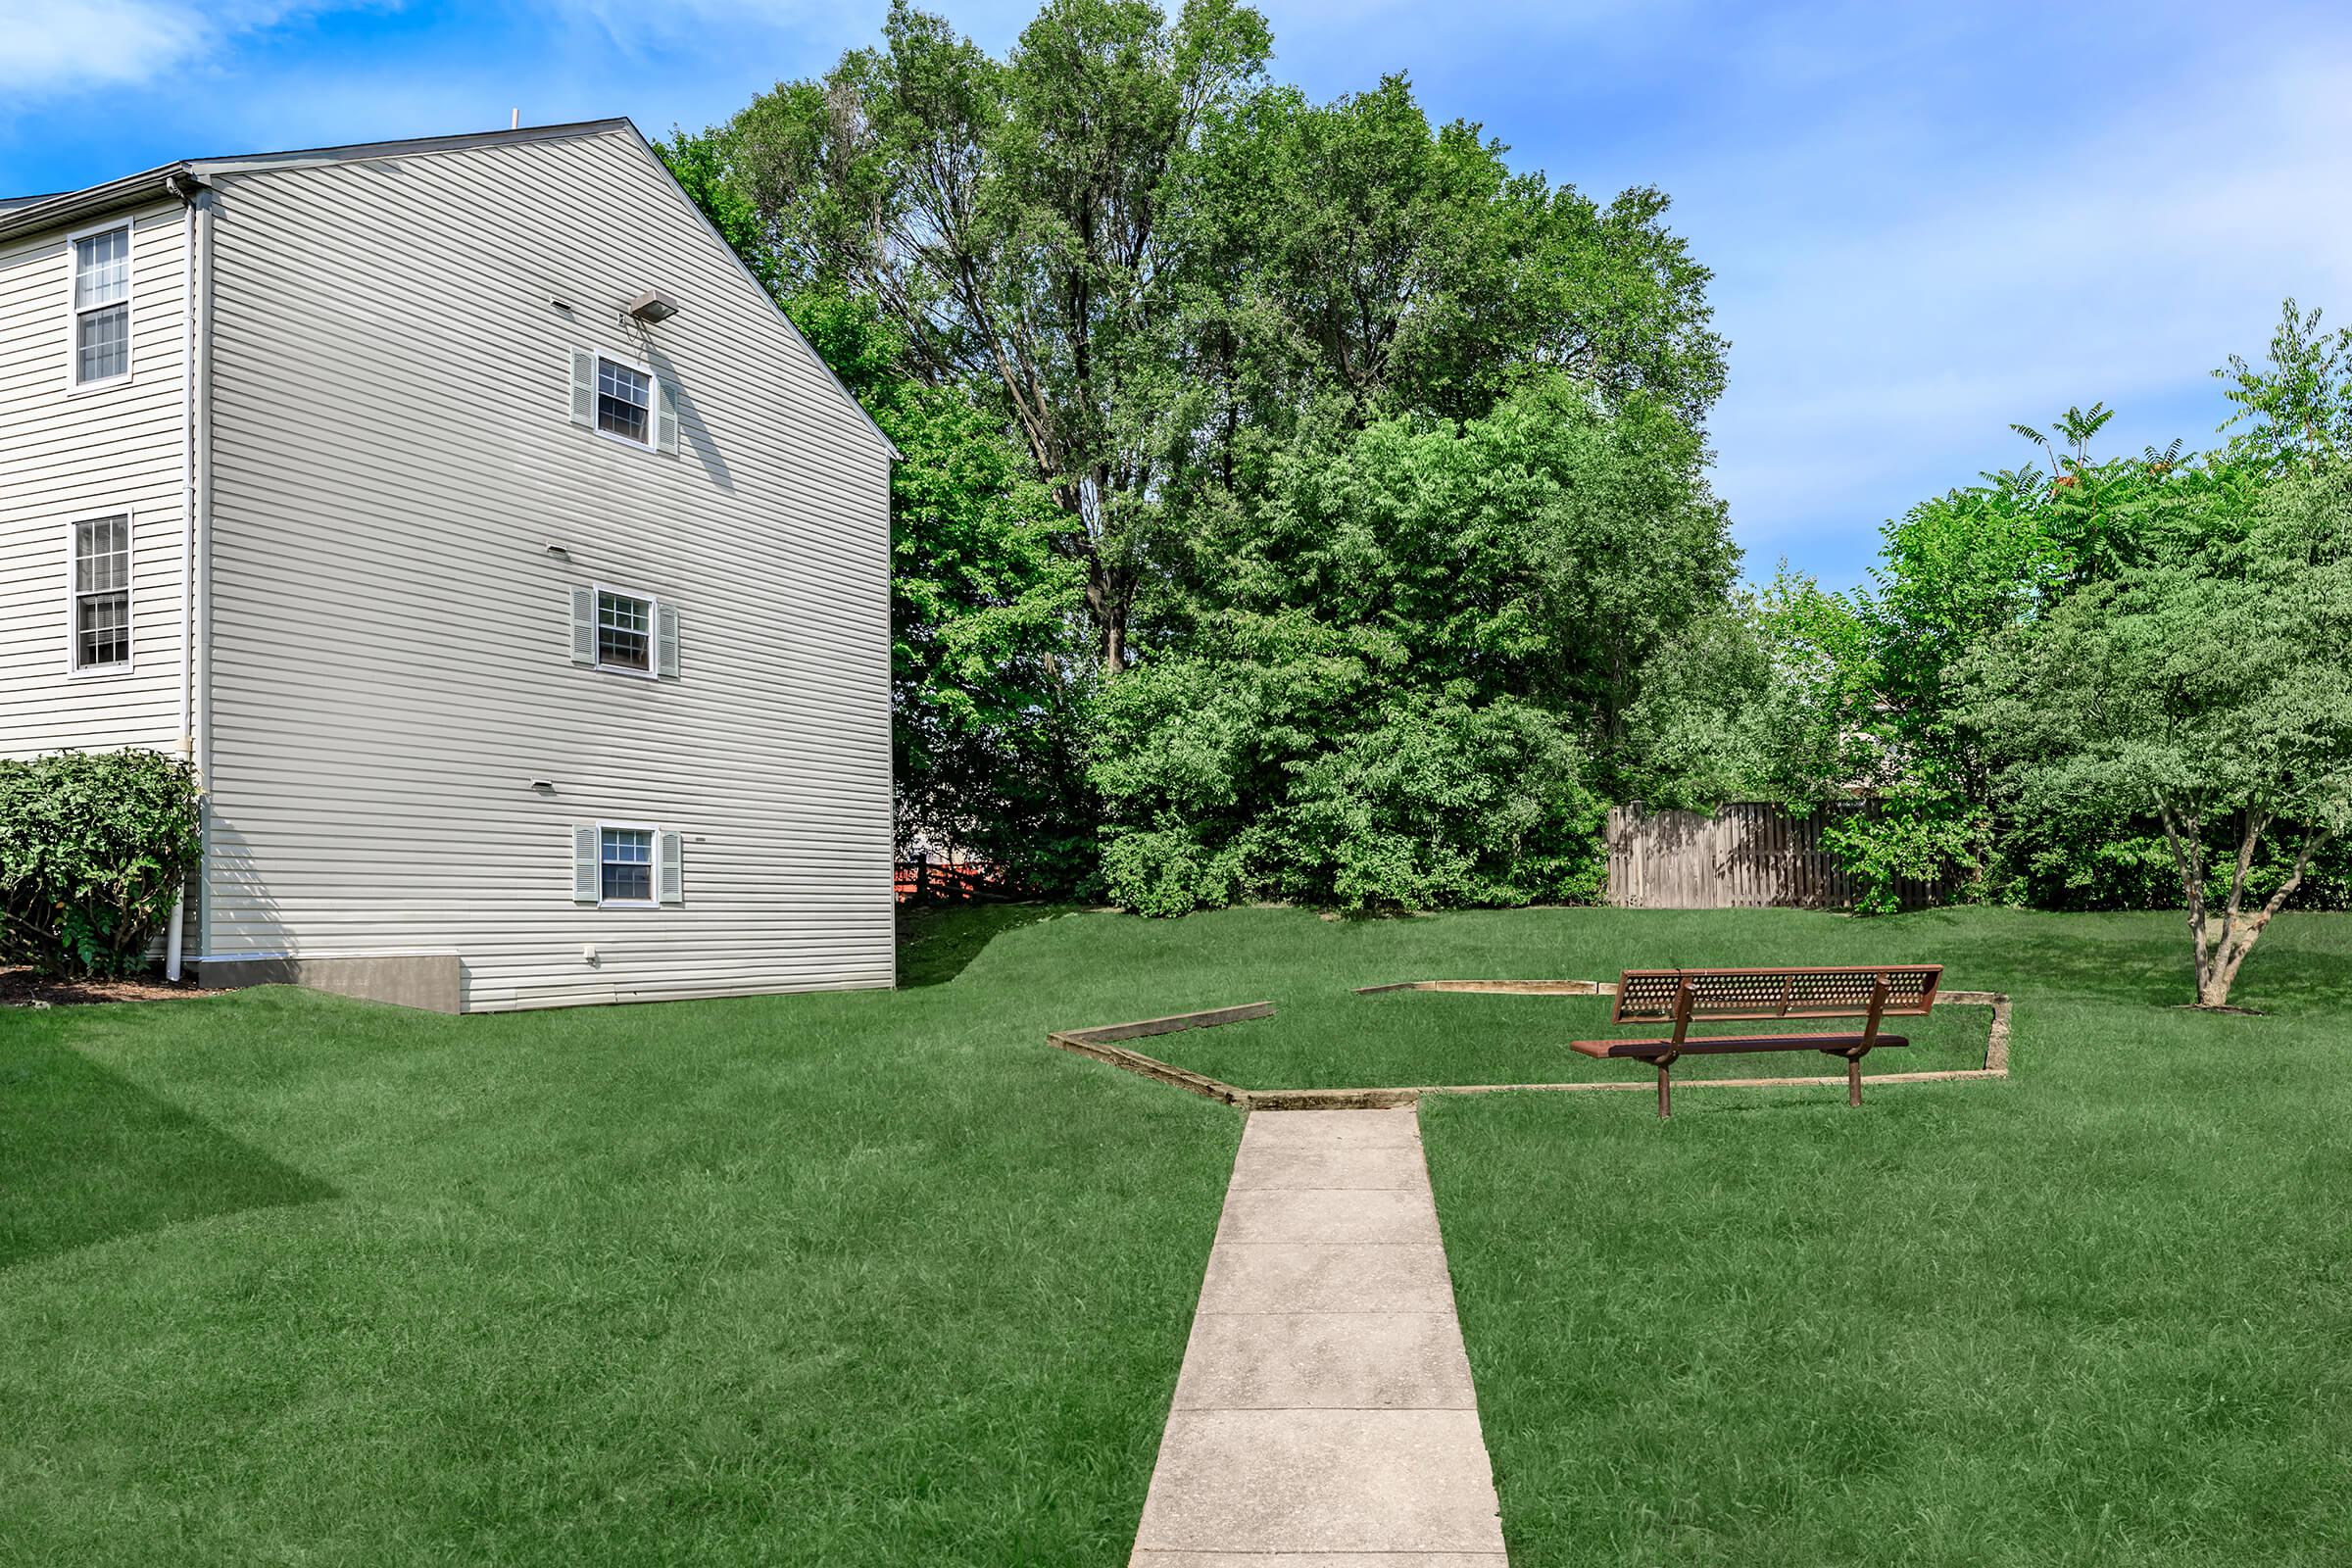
(95, 848)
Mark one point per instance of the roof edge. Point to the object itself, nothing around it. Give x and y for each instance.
(362, 151)
(693, 207)
(68, 207)
(31, 215)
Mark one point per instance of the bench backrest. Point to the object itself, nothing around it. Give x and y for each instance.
(1651, 995)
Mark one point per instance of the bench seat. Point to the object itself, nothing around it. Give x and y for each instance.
(1678, 996)
(1704, 1044)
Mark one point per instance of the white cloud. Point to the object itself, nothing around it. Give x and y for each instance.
(56, 46)
(81, 43)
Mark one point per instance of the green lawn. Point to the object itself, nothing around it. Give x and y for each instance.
(2097, 1314)
(855, 1279)
(883, 1279)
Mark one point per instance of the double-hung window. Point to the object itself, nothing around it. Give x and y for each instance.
(101, 635)
(620, 629)
(626, 859)
(624, 633)
(623, 401)
(627, 865)
(102, 306)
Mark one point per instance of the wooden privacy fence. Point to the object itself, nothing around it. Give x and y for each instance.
(1747, 855)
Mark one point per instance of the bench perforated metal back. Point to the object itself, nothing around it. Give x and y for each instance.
(1649, 995)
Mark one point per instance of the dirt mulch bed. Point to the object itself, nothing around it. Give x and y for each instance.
(23, 988)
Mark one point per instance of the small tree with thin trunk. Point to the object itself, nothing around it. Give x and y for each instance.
(2210, 685)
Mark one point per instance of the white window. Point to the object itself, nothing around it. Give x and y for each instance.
(624, 633)
(102, 306)
(627, 861)
(100, 586)
(620, 629)
(623, 401)
(627, 865)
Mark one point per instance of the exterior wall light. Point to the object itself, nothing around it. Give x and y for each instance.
(652, 306)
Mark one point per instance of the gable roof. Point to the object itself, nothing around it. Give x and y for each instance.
(27, 215)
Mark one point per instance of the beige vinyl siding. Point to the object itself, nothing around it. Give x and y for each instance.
(67, 455)
(390, 633)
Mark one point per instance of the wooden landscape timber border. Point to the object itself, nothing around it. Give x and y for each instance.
(1102, 1044)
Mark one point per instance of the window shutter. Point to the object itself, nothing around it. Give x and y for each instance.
(584, 625)
(671, 869)
(587, 871)
(665, 416)
(666, 656)
(583, 387)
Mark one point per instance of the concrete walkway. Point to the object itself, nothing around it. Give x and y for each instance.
(1324, 1417)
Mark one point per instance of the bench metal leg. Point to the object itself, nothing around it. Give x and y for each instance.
(1665, 1095)
(1853, 1080)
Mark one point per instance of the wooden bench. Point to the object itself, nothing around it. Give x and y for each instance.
(1677, 995)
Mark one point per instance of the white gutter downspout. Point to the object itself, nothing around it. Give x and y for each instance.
(173, 937)
(195, 441)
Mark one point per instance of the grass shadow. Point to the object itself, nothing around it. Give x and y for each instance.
(938, 941)
(87, 1155)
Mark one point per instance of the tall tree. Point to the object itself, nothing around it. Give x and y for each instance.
(1400, 266)
(1163, 267)
(1009, 215)
(2295, 409)
(1227, 330)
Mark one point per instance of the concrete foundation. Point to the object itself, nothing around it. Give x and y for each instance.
(433, 981)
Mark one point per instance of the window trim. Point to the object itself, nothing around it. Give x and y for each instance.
(653, 404)
(75, 670)
(653, 629)
(652, 865)
(75, 386)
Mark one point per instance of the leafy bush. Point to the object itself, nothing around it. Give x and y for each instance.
(1396, 689)
(1912, 834)
(1284, 768)
(94, 849)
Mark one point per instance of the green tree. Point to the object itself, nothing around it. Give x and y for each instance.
(990, 708)
(1353, 251)
(1009, 216)
(1955, 574)
(1394, 703)
(1226, 332)
(1164, 269)
(2205, 685)
(1703, 730)
(1290, 759)
(2295, 409)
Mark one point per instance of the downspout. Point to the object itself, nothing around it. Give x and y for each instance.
(175, 936)
(195, 410)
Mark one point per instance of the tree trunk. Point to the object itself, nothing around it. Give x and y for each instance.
(2184, 836)
(2237, 939)
(1109, 592)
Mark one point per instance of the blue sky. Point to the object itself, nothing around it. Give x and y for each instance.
(1925, 220)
